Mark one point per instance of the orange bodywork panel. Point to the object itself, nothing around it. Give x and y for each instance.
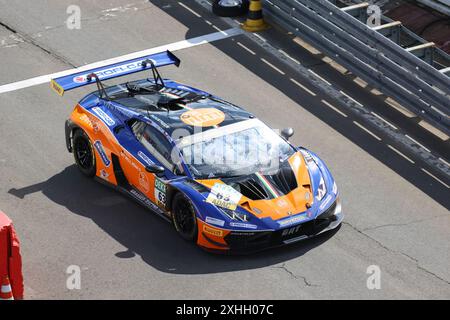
(133, 169)
(285, 205)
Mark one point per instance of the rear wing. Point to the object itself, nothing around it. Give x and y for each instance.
(80, 79)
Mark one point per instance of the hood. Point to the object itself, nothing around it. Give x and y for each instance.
(281, 194)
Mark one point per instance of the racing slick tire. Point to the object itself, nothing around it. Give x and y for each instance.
(83, 152)
(230, 8)
(184, 218)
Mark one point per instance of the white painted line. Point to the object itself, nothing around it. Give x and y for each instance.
(334, 108)
(246, 48)
(367, 130)
(319, 77)
(385, 121)
(288, 56)
(260, 37)
(436, 178)
(303, 87)
(176, 46)
(190, 10)
(272, 66)
(217, 28)
(419, 144)
(351, 98)
(443, 161)
(400, 154)
(208, 22)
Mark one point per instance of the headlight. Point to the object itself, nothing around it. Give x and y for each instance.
(322, 190)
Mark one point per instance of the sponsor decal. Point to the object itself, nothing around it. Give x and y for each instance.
(160, 192)
(159, 121)
(292, 220)
(90, 121)
(224, 196)
(203, 117)
(215, 221)
(308, 157)
(125, 112)
(107, 119)
(144, 157)
(321, 190)
(212, 231)
(243, 225)
(56, 87)
(112, 72)
(99, 147)
(144, 200)
(291, 231)
(143, 181)
(104, 174)
(181, 87)
(128, 159)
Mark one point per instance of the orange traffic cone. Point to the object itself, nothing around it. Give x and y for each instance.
(6, 291)
(255, 21)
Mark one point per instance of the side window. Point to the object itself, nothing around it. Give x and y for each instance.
(138, 128)
(158, 145)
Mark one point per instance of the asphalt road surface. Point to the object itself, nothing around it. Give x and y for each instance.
(396, 206)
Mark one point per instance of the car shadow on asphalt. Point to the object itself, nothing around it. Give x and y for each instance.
(380, 151)
(145, 234)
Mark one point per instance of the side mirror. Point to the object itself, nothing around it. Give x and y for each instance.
(154, 168)
(287, 133)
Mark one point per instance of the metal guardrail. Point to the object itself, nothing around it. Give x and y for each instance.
(443, 6)
(369, 54)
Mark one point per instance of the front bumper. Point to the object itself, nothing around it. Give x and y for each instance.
(242, 242)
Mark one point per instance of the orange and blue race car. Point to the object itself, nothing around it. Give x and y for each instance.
(224, 179)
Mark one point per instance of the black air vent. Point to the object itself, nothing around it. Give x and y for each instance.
(251, 188)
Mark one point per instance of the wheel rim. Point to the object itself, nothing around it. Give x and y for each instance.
(84, 153)
(184, 218)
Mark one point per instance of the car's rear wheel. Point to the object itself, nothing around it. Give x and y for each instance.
(184, 218)
(83, 153)
(230, 8)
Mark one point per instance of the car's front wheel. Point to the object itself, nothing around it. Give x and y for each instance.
(83, 153)
(184, 218)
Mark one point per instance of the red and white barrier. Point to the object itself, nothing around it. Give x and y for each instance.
(10, 259)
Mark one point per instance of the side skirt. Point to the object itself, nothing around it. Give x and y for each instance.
(137, 196)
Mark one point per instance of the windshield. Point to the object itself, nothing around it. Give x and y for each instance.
(238, 149)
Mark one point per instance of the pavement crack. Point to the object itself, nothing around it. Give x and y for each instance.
(416, 261)
(403, 224)
(293, 275)
(34, 43)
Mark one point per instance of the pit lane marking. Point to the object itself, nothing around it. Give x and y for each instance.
(246, 48)
(385, 121)
(272, 66)
(334, 108)
(303, 87)
(419, 144)
(319, 77)
(190, 10)
(443, 161)
(400, 154)
(176, 46)
(367, 130)
(351, 98)
(436, 178)
(288, 56)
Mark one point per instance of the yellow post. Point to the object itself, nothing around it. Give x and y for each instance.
(255, 21)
